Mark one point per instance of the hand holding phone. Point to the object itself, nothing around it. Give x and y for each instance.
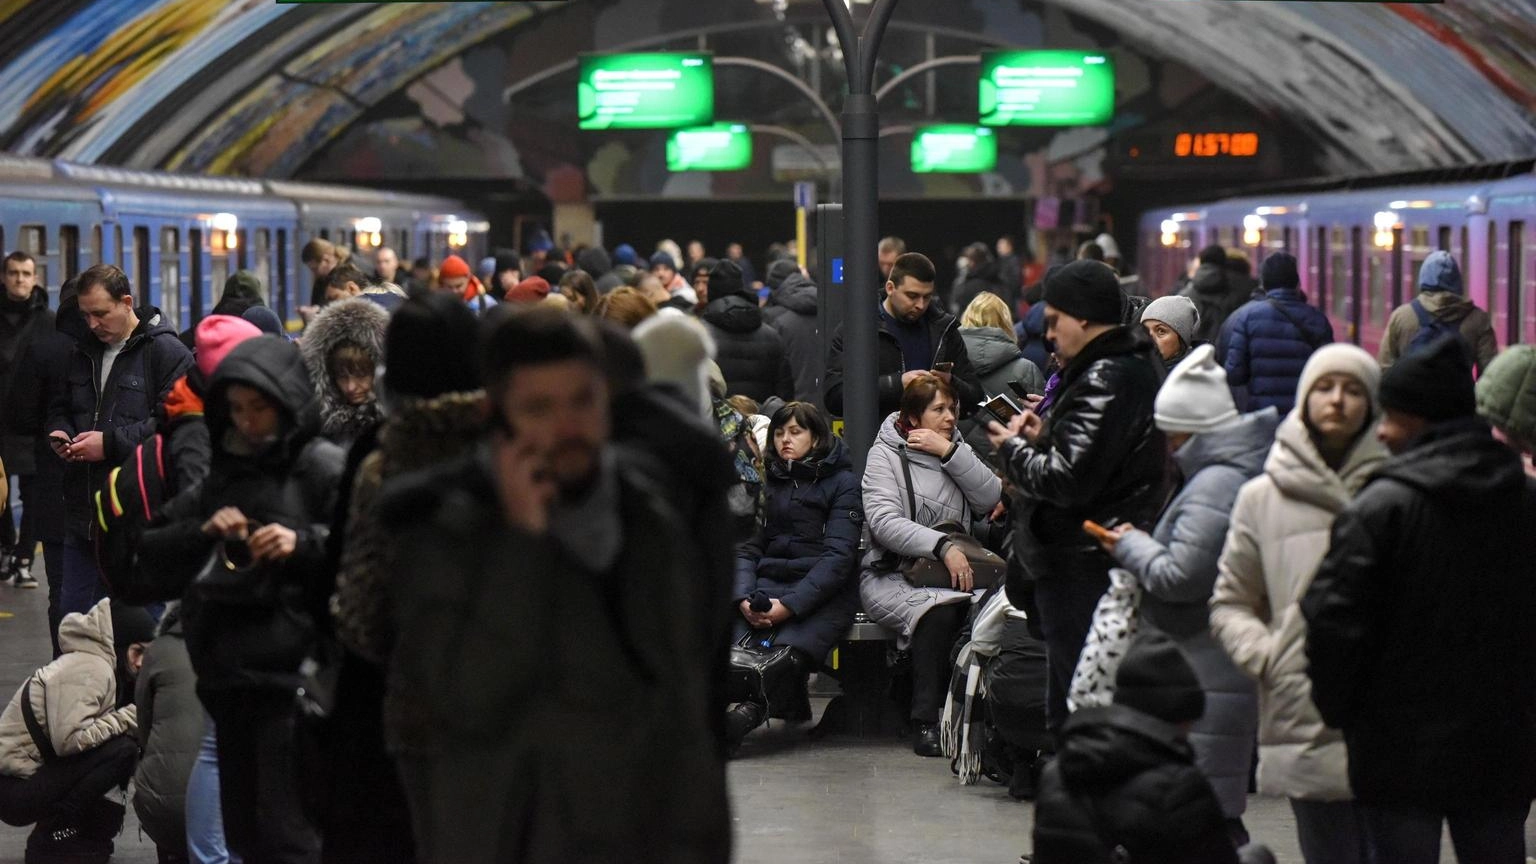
(945, 367)
(1100, 533)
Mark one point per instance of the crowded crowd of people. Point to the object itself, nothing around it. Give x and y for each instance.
(469, 562)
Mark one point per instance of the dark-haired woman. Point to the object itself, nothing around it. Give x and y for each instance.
(948, 483)
(794, 580)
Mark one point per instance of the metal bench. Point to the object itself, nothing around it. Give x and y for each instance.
(863, 708)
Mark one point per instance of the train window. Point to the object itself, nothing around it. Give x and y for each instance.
(1516, 286)
(117, 244)
(325, 233)
(1445, 239)
(1320, 261)
(1356, 282)
(195, 262)
(69, 250)
(1466, 248)
(404, 252)
(263, 252)
(34, 242)
(170, 276)
(1376, 293)
(1493, 272)
(1338, 273)
(142, 287)
(241, 254)
(96, 251)
(1285, 242)
(219, 271)
(282, 274)
(1397, 271)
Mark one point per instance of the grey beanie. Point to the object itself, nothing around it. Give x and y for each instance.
(1177, 312)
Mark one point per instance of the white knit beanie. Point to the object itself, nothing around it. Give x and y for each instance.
(1195, 397)
(1339, 357)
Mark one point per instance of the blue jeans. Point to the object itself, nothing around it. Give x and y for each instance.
(205, 815)
(82, 586)
(1400, 835)
(1331, 832)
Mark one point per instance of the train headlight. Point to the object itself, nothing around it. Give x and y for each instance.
(458, 233)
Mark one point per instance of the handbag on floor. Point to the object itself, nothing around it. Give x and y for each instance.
(1115, 620)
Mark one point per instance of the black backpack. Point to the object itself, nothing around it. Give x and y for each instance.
(131, 498)
(1433, 328)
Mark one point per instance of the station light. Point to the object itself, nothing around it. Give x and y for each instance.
(368, 231)
(1253, 229)
(1386, 221)
(458, 233)
(224, 226)
(1170, 236)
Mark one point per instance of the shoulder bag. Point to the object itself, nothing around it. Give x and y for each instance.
(988, 569)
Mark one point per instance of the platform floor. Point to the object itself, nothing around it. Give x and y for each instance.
(793, 799)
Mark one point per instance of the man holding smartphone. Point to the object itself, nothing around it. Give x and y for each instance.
(915, 336)
(115, 381)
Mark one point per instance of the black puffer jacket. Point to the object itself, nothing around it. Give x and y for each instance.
(792, 312)
(948, 347)
(1419, 638)
(808, 552)
(291, 482)
(1217, 294)
(750, 353)
(1125, 788)
(1100, 458)
(122, 408)
(20, 321)
(41, 379)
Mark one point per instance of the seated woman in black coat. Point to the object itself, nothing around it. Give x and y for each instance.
(795, 582)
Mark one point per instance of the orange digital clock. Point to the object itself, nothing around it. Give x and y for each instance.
(1215, 144)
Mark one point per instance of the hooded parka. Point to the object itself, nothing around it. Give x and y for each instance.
(1278, 534)
(1176, 566)
(792, 312)
(959, 489)
(358, 322)
(806, 554)
(750, 353)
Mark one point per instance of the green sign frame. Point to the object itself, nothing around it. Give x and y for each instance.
(717, 147)
(954, 149)
(1047, 88)
(664, 90)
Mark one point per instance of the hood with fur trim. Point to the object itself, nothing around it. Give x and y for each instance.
(354, 321)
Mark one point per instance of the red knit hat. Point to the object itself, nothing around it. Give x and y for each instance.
(530, 290)
(216, 336)
(453, 267)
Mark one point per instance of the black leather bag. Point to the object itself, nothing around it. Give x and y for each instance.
(988, 569)
(753, 666)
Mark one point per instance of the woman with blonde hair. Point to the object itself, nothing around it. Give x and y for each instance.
(624, 306)
(987, 328)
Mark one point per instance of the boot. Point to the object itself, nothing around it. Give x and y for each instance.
(55, 841)
(925, 741)
(104, 821)
(740, 720)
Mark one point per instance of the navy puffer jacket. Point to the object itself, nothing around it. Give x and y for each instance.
(807, 553)
(1268, 343)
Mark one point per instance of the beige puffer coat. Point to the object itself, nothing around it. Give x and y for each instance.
(1278, 536)
(74, 698)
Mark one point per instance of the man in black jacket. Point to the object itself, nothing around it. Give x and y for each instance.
(563, 646)
(23, 314)
(1419, 638)
(115, 381)
(750, 353)
(915, 336)
(1099, 457)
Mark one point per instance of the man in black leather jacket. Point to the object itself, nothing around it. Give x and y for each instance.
(1099, 457)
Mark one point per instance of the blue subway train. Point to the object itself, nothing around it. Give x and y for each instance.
(179, 237)
(1359, 249)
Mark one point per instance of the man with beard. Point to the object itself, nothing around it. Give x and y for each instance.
(554, 631)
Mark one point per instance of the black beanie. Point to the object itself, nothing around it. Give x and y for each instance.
(725, 279)
(130, 624)
(1434, 382)
(431, 348)
(1279, 271)
(780, 270)
(1088, 290)
(1213, 254)
(1155, 677)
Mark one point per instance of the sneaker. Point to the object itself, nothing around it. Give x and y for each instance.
(53, 842)
(20, 574)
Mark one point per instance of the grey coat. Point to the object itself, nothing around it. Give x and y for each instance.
(170, 733)
(1176, 565)
(997, 359)
(953, 491)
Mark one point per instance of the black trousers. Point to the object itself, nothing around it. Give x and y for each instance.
(67, 788)
(933, 643)
(264, 818)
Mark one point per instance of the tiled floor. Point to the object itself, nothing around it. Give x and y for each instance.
(795, 801)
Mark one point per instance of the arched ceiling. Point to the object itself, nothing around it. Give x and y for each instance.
(256, 87)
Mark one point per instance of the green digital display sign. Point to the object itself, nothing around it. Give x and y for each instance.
(645, 91)
(1047, 88)
(721, 147)
(954, 150)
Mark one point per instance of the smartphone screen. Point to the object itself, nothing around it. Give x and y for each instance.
(943, 367)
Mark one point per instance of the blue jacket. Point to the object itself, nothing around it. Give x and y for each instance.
(807, 553)
(1267, 344)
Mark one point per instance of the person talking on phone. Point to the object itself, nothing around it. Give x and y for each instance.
(1099, 457)
(920, 462)
(916, 335)
(267, 503)
(117, 378)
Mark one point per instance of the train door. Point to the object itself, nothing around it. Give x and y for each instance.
(170, 275)
(1356, 282)
(280, 290)
(1515, 282)
(195, 272)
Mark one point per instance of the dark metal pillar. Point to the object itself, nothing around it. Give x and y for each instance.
(861, 231)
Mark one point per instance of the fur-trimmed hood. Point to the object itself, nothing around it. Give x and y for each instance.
(423, 432)
(355, 321)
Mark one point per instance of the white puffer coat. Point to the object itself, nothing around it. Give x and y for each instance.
(74, 698)
(1278, 536)
(953, 491)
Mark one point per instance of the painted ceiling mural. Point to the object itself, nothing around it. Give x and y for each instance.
(252, 87)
